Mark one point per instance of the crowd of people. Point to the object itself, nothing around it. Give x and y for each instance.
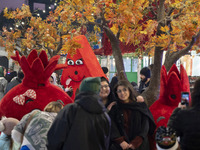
(104, 116)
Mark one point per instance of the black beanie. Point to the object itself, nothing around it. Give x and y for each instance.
(146, 72)
(105, 69)
(90, 84)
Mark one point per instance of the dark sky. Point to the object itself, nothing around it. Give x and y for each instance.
(11, 4)
(16, 3)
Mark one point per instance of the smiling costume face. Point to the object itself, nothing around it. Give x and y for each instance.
(80, 65)
(35, 91)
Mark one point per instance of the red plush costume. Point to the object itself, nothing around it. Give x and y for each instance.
(171, 86)
(80, 65)
(35, 91)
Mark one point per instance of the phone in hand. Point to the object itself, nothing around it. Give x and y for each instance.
(185, 98)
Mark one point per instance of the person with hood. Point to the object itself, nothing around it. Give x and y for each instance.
(145, 75)
(3, 81)
(132, 122)
(185, 121)
(83, 124)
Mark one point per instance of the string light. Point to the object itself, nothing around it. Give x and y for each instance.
(49, 7)
(44, 11)
(38, 14)
(17, 25)
(11, 28)
(22, 23)
(55, 4)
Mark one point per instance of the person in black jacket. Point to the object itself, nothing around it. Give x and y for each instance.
(131, 121)
(15, 81)
(145, 75)
(84, 124)
(186, 122)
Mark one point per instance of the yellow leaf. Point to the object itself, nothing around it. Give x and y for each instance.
(143, 32)
(114, 28)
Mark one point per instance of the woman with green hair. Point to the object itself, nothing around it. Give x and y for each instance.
(3, 81)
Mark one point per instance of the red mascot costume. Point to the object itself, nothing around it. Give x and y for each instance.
(80, 65)
(35, 91)
(171, 86)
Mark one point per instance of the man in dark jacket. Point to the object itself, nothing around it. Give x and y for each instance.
(15, 81)
(145, 75)
(83, 125)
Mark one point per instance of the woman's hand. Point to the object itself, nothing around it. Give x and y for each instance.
(110, 105)
(131, 146)
(140, 99)
(124, 145)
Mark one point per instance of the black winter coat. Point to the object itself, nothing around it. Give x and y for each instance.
(186, 123)
(83, 125)
(141, 123)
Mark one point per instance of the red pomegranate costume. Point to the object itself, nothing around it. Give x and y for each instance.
(171, 86)
(35, 91)
(80, 65)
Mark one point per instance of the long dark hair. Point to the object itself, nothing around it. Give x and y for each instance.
(196, 94)
(127, 84)
(110, 96)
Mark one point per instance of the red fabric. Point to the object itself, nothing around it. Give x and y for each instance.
(74, 74)
(171, 85)
(37, 70)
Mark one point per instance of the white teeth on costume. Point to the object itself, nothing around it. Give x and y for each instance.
(68, 81)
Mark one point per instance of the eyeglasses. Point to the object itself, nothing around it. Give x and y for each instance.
(104, 86)
(124, 90)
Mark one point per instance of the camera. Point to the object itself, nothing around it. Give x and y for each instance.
(185, 98)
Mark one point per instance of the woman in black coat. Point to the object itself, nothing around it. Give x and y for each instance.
(186, 122)
(131, 121)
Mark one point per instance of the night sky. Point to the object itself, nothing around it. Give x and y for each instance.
(16, 3)
(11, 4)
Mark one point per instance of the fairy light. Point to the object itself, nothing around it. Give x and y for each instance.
(49, 7)
(22, 23)
(38, 14)
(43, 11)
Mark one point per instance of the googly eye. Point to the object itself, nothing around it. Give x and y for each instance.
(70, 62)
(79, 62)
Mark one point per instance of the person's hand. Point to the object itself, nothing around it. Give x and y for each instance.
(67, 89)
(110, 105)
(124, 145)
(181, 106)
(140, 99)
(131, 146)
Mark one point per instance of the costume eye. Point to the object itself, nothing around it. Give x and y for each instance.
(79, 62)
(70, 62)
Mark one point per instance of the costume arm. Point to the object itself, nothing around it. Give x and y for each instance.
(58, 133)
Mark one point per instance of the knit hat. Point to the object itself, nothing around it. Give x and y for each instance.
(146, 72)
(105, 69)
(90, 84)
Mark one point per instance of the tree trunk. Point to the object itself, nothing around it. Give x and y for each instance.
(151, 94)
(116, 53)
